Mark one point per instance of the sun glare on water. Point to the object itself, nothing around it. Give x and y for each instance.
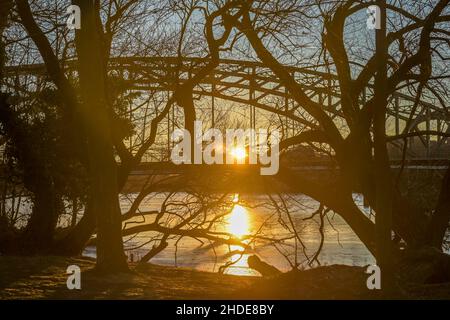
(238, 222)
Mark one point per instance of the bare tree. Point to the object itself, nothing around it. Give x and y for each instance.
(353, 146)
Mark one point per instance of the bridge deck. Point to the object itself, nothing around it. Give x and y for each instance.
(161, 168)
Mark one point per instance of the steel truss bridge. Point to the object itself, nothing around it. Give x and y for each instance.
(257, 89)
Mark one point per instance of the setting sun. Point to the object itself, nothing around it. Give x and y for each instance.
(238, 153)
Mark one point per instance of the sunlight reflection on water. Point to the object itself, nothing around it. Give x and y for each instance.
(238, 224)
(341, 245)
(238, 221)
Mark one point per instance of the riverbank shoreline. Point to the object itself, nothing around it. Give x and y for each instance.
(44, 277)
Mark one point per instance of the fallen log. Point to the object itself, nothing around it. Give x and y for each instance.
(265, 269)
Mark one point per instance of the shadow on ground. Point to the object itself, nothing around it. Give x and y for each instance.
(45, 278)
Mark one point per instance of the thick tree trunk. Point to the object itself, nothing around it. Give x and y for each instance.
(383, 181)
(110, 255)
(73, 220)
(75, 241)
(40, 231)
(407, 221)
(102, 166)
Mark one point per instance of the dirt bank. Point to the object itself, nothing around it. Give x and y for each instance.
(45, 278)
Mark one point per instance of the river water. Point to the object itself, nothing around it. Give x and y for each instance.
(340, 246)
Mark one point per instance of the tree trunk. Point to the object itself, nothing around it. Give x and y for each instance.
(102, 165)
(73, 220)
(383, 181)
(75, 241)
(40, 231)
(185, 100)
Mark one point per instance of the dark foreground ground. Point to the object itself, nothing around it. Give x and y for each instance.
(45, 278)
